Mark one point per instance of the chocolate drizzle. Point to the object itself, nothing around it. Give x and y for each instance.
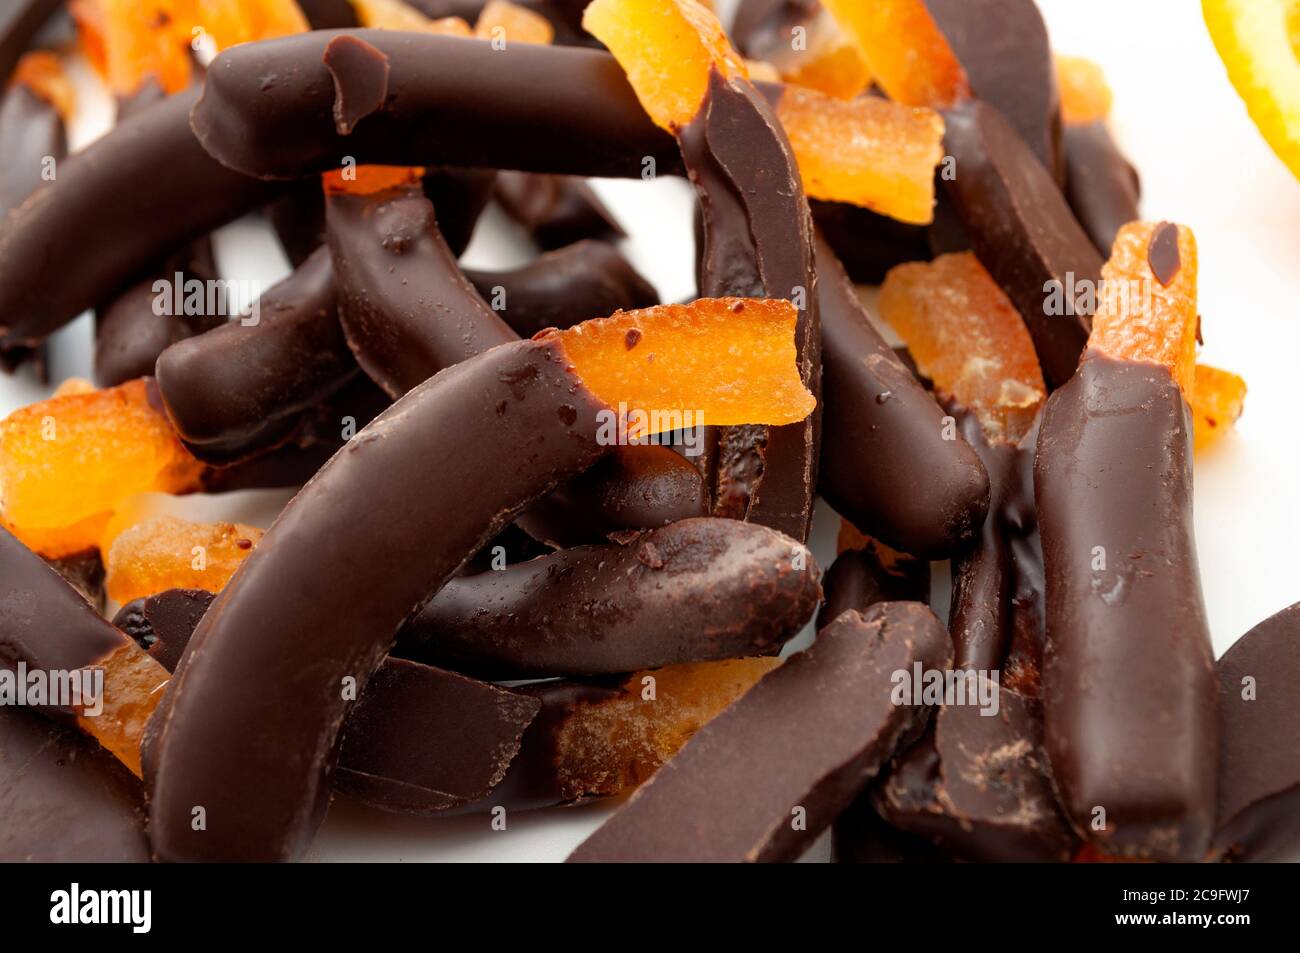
(1162, 256)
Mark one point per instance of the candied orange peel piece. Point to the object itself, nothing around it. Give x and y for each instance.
(230, 22)
(821, 57)
(143, 39)
(721, 361)
(171, 553)
(866, 152)
(396, 15)
(368, 179)
(1217, 401)
(967, 337)
(66, 462)
(1085, 94)
(608, 747)
(667, 48)
(905, 51)
(510, 23)
(133, 686)
(42, 72)
(1257, 41)
(1139, 316)
(88, 19)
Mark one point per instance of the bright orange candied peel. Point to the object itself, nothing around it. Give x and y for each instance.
(42, 72)
(171, 553)
(966, 336)
(904, 49)
(1217, 401)
(866, 152)
(608, 747)
(134, 684)
(230, 22)
(1140, 318)
(396, 15)
(826, 60)
(1085, 94)
(142, 40)
(509, 22)
(368, 179)
(667, 48)
(66, 462)
(88, 18)
(723, 360)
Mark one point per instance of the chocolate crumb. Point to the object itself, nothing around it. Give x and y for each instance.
(632, 339)
(1162, 253)
(649, 556)
(244, 543)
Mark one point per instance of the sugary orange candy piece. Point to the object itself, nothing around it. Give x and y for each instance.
(42, 72)
(904, 49)
(133, 685)
(1150, 315)
(88, 17)
(1217, 400)
(66, 462)
(502, 21)
(368, 179)
(142, 40)
(396, 15)
(74, 385)
(716, 361)
(866, 152)
(967, 337)
(230, 22)
(1085, 94)
(833, 66)
(171, 553)
(667, 48)
(609, 747)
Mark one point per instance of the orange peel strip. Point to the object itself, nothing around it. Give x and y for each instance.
(1217, 401)
(42, 72)
(509, 22)
(368, 179)
(66, 462)
(1085, 94)
(396, 15)
(667, 48)
(171, 553)
(88, 18)
(904, 49)
(143, 40)
(133, 686)
(716, 361)
(966, 336)
(1139, 318)
(866, 152)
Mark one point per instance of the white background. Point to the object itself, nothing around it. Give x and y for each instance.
(1203, 164)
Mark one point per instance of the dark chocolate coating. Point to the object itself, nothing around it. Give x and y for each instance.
(451, 101)
(809, 735)
(63, 798)
(329, 14)
(557, 210)
(979, 787)
(360, 74)
(558, 289)
(757, 242)
(861, 837)
(1259, 760)
(459, 197)
(883, 431)
(20, 21)
(633, 488)
(44, 622)
(696, 590)
(66, 250)
(1021, 229)
(360, 549)
(979, 614)
(419, 741)
(1003, 46)
(1129, 691)
(84, 571)
(31, 130)
(1101, 185)
(867, 243)
(406, 309)
(422, 740)
(298, 218)
(238, 388)
(858, 579)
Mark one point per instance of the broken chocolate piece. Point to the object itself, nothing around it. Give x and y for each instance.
(558, 289)
(557, 210)
(163, 623)
(1132, 725)
(764, 778)
(530, 107)
(1023, 232)
(1259, 760)
(285, 600)
(858, 579)
(696, 590)
(979, 787)
(883, 428)
(1101, 185)
(360, 74)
